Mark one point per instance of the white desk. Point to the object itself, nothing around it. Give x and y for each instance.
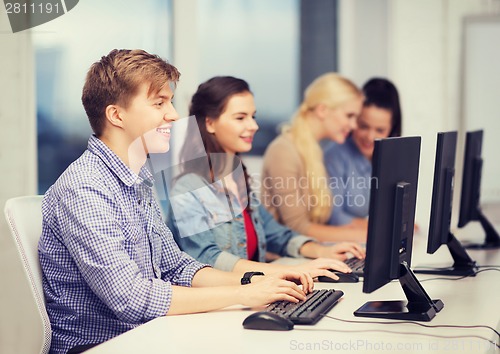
(469, 301)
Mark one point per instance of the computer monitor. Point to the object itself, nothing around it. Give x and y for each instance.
(390, 232)
(441, 208)
(470, 209)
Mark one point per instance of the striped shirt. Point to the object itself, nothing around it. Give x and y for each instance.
(108, 260)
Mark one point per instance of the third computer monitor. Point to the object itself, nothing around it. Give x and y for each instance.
(390, 231)
(470, 209)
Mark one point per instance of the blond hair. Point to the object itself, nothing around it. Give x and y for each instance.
(331, 90)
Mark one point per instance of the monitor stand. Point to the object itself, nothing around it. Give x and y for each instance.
(492, 240)
(463, 265)
(419, 306)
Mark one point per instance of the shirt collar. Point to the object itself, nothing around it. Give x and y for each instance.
(117, 166)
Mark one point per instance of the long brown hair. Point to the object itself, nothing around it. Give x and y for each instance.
(209, 102)
(382, 93)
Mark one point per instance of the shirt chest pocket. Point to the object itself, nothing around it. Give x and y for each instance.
(224, 236)
(133, 233)
(217, 211)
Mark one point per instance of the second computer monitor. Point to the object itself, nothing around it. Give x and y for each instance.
(441, 209)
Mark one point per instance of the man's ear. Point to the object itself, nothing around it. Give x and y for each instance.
(113, 115)
(209, 123)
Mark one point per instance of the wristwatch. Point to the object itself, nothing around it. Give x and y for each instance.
(248, 276)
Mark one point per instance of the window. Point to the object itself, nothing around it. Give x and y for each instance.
(64, 50)
(258, 41)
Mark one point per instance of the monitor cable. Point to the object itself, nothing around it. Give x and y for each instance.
(462, 277)
(409, 333)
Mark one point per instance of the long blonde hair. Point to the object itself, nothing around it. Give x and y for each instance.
(332, 90)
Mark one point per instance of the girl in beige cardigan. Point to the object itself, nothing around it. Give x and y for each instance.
(295, 185)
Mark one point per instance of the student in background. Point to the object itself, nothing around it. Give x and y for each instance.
(109, 262)
(295, 185)
(349, 165)
(218, 218)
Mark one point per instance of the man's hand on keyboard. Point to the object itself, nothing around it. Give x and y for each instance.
(276, 287)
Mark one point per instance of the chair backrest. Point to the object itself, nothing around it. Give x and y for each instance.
(24, 217)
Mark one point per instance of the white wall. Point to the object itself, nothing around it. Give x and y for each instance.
(481, 92)
(18, 177)
(423, 57)
(363, 39)
(17, 114)
(186, 59)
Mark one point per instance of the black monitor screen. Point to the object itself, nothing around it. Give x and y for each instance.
(390, 232)
(470, 209)
(442, 190)
(471, 178)
(395, 162)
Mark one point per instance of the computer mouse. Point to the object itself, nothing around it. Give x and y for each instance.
(268, 321)
(343, 278)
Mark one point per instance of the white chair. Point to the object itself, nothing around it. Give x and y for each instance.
(24, 217)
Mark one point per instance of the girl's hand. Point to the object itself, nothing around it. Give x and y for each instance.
(338, 251)
(276, 287)
(323, 267)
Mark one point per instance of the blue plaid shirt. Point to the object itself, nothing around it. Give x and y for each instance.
(108, 260)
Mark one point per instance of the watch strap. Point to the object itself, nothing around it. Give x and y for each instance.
(248, 276)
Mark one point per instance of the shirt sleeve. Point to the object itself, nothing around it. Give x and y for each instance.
(95, 238)
(177, 267)
(280, 239)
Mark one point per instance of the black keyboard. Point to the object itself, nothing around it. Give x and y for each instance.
(310, 311)
(357, 265)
